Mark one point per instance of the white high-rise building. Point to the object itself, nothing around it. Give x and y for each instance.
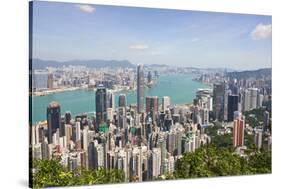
(109, 113)
(37, 134)
(61, 142)
(77, 131)
(260, 100)
(258, 138)
(246, 101)
(36, 151)
(253, 98)
(85, 138)
(68, 133)
(204, 116)
(171, 166)
(121, 161)
(156, 162)
(56, 137)
(210, 103)
(99, 155)
(33, 135)
(165, 102)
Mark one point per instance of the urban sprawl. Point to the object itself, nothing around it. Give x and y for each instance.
(145, 140)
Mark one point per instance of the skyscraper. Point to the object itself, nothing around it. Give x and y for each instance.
(165, 102)
(122, 119)
(204, 116)
(232, 106)
(219, 94)
(110, 100)
(50, 83)
(53, 119)
(253, 97)
(259, 100)
(140, 89)
(110, 114)
(156, 162)
(152, 106)
(68, 133)
(122, 100)
(246, 100)
(225, 102)
(67, 117)
(238, 132)
(149, 77)
(101, 102)
(162, 145)
(265, 120)
(258, 138)
(77, 131)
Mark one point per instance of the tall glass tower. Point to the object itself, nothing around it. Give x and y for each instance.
(140, 89)
(122, 100)
(101, 114)
(53, 120)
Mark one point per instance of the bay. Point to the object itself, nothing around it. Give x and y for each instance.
(179, 87)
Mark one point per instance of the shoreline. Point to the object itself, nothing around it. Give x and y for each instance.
(117, 90)
(65, 89)
(61, 90)
(86, 87)
(53, 91)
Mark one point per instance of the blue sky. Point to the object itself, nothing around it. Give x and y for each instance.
(67, 31)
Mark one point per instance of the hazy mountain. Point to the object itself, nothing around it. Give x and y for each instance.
(42, 64)
(265, 72)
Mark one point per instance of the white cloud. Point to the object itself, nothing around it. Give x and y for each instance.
(86, 8)
(139, 47)
(194, 39)
(261, 32)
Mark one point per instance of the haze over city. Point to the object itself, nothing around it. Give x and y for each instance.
(66, 31)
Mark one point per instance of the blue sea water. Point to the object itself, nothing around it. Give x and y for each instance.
(179, 87)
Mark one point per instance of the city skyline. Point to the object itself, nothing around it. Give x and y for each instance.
(99, 121)
(151, 36)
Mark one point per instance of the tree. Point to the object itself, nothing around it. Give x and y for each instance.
(50, 173)
(260, 163)
(209, 161)
(47, 173)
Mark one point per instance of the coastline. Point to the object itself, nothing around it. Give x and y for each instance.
(85, 107)
(65, 89)
(58, 90)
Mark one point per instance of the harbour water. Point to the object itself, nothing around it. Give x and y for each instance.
(179, 87)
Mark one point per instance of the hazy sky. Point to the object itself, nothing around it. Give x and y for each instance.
(66, 31)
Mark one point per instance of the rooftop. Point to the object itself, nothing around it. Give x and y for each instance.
(54, 104)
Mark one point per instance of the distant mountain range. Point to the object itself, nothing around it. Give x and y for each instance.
(95, 63)
(265, 72)
(43, 64)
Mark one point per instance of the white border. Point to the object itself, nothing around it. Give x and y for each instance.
(14, 90)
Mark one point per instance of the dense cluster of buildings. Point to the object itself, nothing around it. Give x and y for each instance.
(54, 80)
(234, 96)
(145, 139)
(45, 81)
